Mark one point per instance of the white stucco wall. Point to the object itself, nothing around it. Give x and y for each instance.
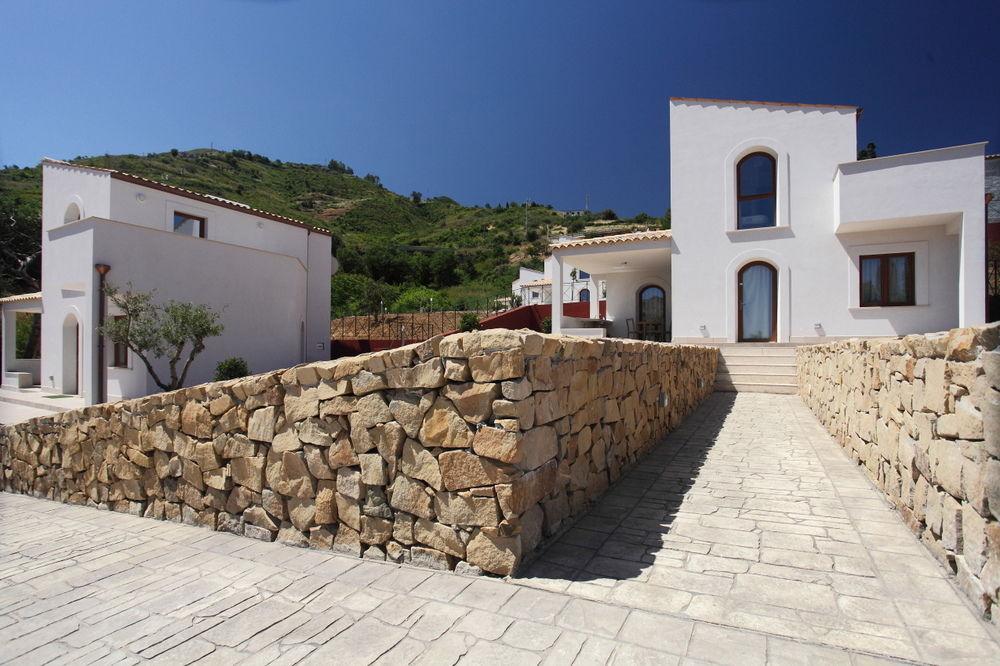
(261, 297)
(817, 268)
(271, 278)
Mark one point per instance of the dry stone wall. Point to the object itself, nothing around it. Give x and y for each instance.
(922, 415)
(461, 451)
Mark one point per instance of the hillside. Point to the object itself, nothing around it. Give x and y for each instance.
(387, 243)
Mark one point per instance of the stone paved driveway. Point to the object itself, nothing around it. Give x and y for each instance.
(747, 537)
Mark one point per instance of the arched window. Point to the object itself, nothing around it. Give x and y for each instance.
(756, 186)
(652, 313)
(584, 295)
(72, 213)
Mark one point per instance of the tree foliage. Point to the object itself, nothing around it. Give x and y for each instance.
(154, 331)
(868, 152)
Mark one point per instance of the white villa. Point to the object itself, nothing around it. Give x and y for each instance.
(535, 287)
(781, 235)
(268, 275)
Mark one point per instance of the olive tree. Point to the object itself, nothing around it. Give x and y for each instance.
(174, 330)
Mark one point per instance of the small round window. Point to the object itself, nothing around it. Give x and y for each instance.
(72, 213)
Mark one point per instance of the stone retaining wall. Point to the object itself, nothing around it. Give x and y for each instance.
(463, 449)
(921, 414)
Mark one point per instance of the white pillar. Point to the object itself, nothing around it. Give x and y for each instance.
(972, 269)
(595, 297)
(557, 294)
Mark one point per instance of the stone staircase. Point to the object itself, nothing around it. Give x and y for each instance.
(757, 368)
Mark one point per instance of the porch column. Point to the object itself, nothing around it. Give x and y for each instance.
(595, 297)
(557, 294)
(972, 269)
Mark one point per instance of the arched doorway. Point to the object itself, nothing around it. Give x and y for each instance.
(71, 355)
(584, 295)
(652, 313)
(758, 302)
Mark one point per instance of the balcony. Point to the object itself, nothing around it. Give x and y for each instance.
(928, 188)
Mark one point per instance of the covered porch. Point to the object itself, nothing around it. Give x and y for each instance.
(22, 340)
(631, 272)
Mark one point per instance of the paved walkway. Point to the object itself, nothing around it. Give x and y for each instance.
(747, 537)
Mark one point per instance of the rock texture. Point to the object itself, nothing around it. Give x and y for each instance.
(921, 414)
(462, 448)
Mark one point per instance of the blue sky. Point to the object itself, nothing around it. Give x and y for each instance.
(482, 101)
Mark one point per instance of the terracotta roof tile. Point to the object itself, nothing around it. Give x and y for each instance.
(21, 298)
(710, 100)
(617, 239)
(190, 194)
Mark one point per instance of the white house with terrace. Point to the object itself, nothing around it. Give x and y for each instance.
(268, 276)
(781, 235)
(534, 287)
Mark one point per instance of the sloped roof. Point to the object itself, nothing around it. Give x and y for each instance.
(710, 100)
(190, 194)
(617, 239)
(538, 283)
(21, 298)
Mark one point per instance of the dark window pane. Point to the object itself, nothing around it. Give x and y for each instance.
(871, 281)
(756, 213)
(583, 275)
(756, 175)
(585, 295)
(899, 280)
(27, 335)
(187, 224)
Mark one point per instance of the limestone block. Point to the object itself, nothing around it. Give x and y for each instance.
(261, 424)
(438, 536)
(370, 411)
(538, 446)
(321, 537)
(466, 509)
(196, 421)
(375, 530)
(326, 502)
(492, 552)
(461, 469)
(473, 401)
(497, 366)
(366, 382)
(302, 513)
(444, 426)
(408, 410)
(457, 370)
(418, 463)
(373, 471)
(317, 432)
(499, 444)
(341, 453)
(347, 541)
(300, 403)
(429, 558)
(349, 483)
(410, 496)
(429, 374)
(348, 511)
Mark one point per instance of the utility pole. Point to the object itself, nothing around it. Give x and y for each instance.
(586, 205)
(525, 218)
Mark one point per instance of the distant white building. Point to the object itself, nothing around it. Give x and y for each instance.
(268, 275)
(535, 287)
(780, 234)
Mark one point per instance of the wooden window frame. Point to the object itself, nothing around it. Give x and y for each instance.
(119, 355)
(201, 227)
(911, 261)
(774, 301)
(773, 194)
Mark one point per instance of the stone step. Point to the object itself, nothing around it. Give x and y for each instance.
(755, 387)
(756, 377)
(780, 365)
(752, 350)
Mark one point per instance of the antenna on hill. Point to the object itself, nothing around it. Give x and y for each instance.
(586, 204)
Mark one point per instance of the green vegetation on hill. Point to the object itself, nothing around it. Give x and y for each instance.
(387, 244)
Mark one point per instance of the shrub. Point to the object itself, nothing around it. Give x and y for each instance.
(547, 325)
(231, 368)
(469, 322)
